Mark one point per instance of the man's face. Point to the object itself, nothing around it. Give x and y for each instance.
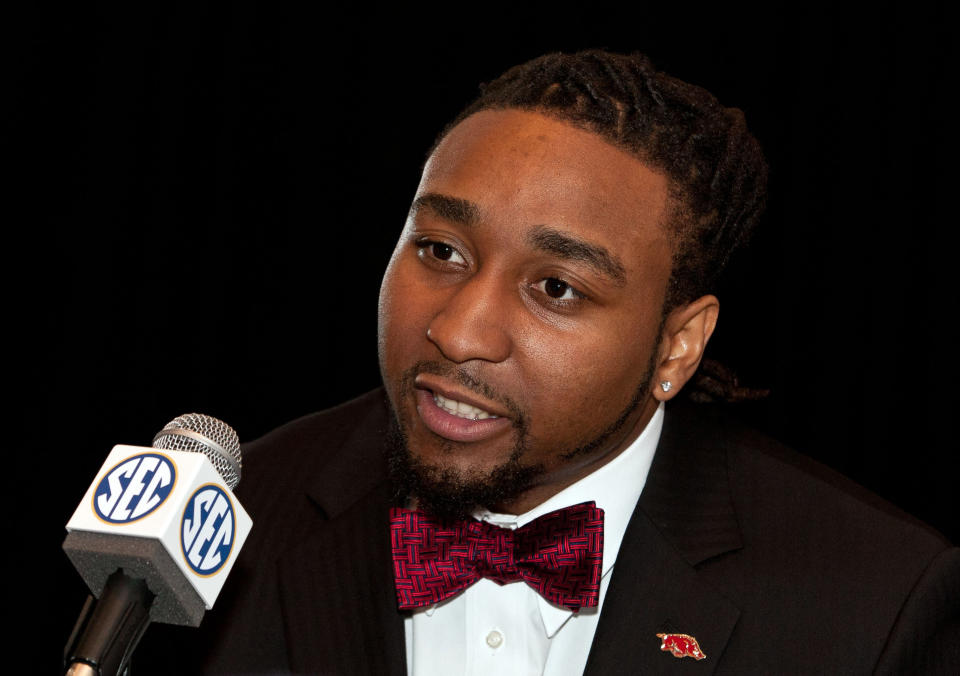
(520, 312)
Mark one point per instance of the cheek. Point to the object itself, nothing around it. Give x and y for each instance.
(405, 310)
(396, 313)
(583, 380)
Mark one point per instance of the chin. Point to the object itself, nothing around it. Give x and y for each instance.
(469, 460)
(450, 489)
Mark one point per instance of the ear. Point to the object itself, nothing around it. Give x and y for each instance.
(682, 342)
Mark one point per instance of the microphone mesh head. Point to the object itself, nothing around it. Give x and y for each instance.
(198, 433)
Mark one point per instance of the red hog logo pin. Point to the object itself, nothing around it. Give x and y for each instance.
(681, 645)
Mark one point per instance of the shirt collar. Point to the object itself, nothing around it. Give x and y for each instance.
(615, 488)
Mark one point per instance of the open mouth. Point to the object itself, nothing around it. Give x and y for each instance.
(453, 413)
(461, 409)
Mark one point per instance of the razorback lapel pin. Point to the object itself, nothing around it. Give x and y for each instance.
(681, 645)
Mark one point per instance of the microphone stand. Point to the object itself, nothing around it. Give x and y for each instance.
(108, 630)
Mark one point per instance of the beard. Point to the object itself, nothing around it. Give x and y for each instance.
(452, 494)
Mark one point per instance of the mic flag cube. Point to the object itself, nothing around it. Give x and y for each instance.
(164, 516)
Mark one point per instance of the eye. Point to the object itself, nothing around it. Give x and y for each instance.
(439, 251)
(558, 289)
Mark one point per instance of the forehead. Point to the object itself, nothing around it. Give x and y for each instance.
(523, 169)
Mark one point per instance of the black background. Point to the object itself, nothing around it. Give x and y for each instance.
(203, 198)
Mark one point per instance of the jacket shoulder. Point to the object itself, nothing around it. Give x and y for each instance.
(312, 467)
(296, 453)
(823, 561)
(316, 433)
(772, 483)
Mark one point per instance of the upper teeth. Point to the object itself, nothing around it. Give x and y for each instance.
(461, 410)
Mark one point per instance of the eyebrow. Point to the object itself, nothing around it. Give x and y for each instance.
(453, 209)
(571, 248)
(543, 238)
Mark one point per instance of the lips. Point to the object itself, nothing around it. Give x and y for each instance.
(455, 414)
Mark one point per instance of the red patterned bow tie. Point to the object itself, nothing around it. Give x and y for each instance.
(559, 554)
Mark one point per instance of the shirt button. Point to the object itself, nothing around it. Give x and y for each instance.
(494, 639)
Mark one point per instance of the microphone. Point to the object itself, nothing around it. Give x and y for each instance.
(154, 538)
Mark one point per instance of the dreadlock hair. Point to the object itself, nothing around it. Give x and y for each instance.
(716, 170)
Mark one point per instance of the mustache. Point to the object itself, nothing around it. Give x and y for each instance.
(461, 377)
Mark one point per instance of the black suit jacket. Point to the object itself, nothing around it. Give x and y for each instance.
(775, 564)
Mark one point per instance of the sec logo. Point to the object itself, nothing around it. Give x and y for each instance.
(207, 529)
(134, 488)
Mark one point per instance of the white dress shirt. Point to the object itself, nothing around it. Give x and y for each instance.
(510, 630)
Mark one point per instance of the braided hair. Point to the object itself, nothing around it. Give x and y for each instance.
(716, 168)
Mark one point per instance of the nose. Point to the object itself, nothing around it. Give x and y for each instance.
(473, 322)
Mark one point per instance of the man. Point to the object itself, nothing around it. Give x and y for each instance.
(549, 294)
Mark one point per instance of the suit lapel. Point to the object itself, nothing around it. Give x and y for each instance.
(653, 591)
(684, 517)
(340, 613)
